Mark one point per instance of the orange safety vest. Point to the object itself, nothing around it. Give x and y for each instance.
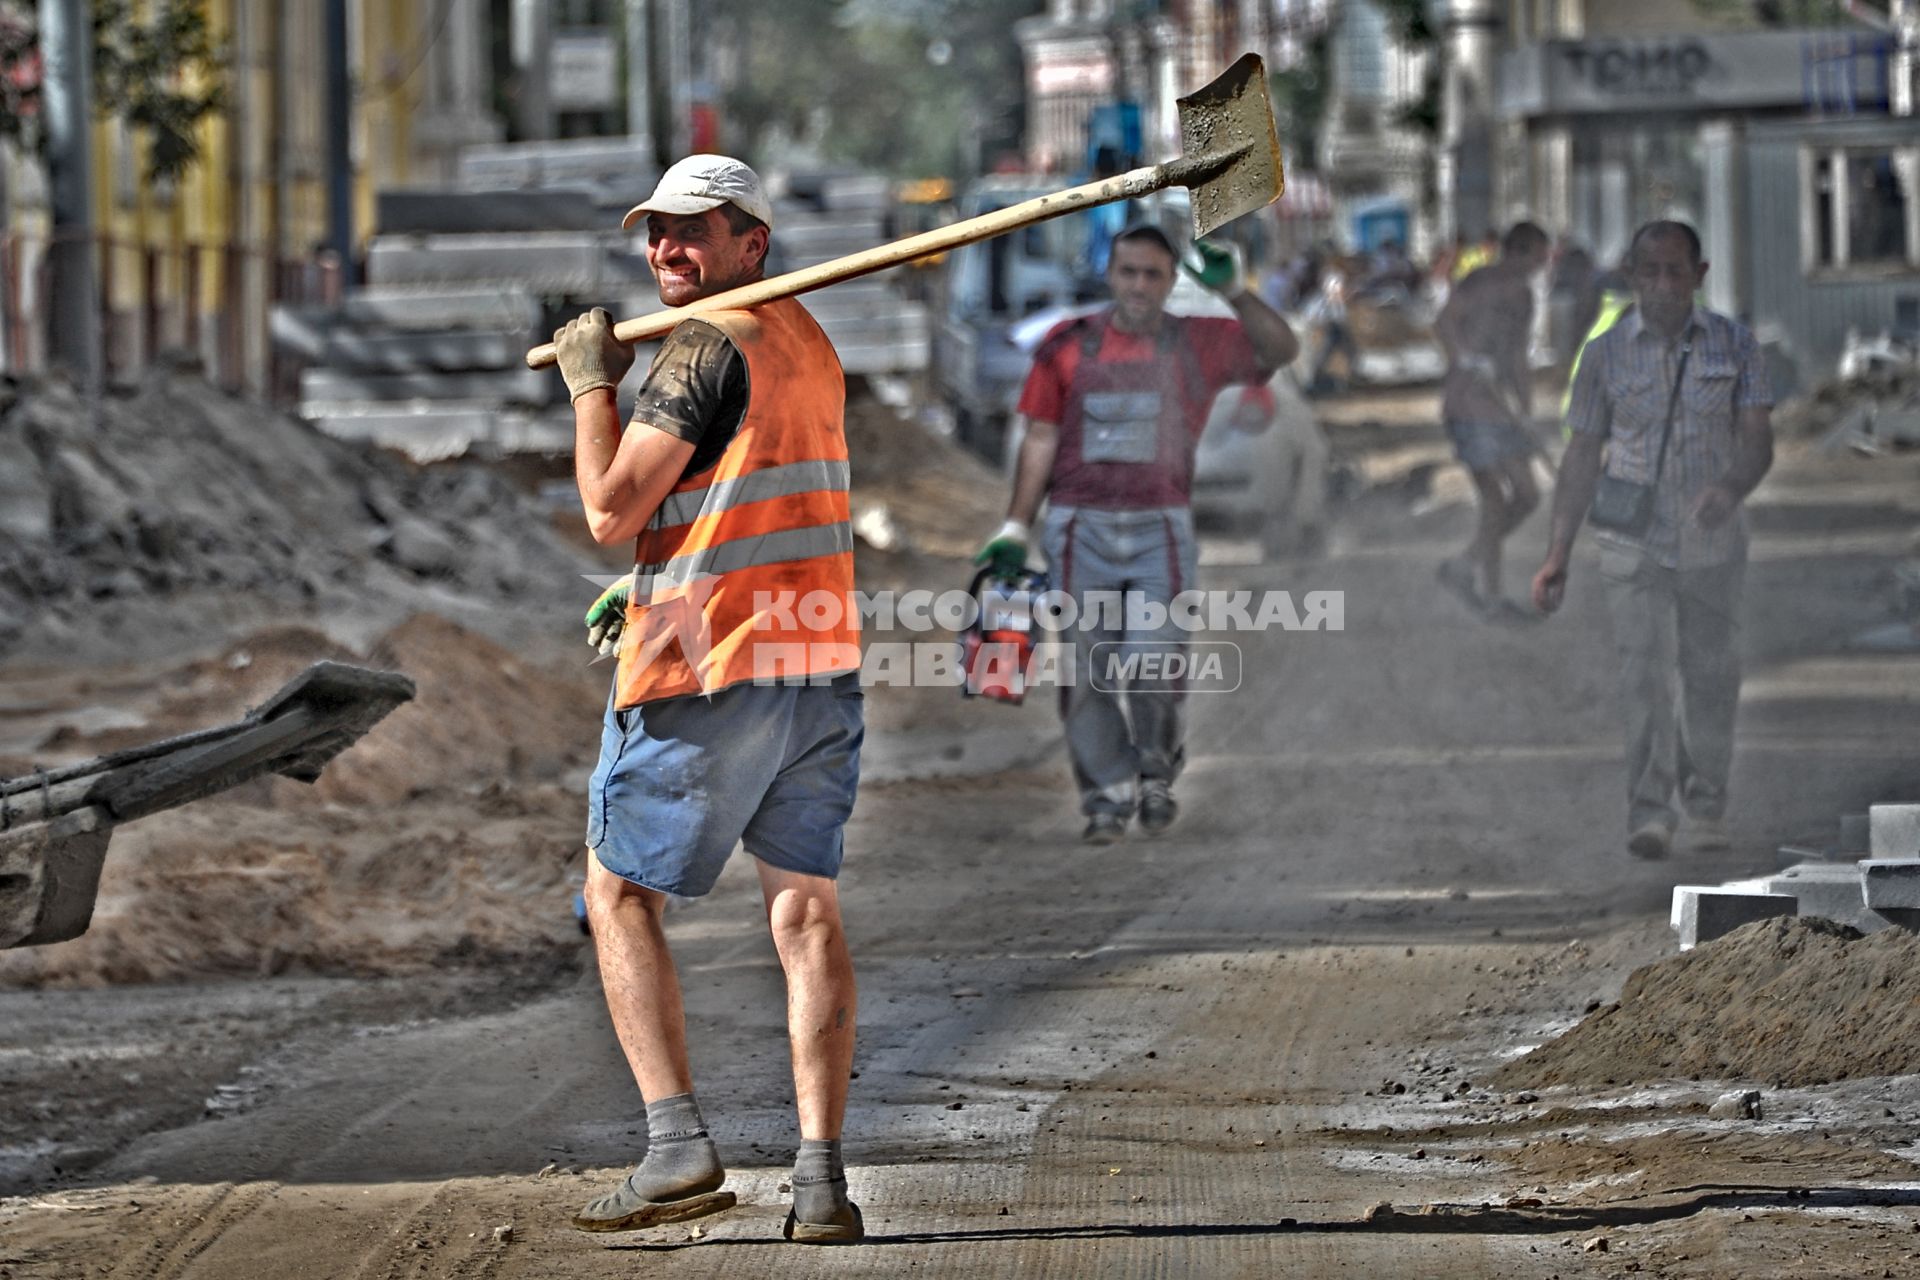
(745, 573)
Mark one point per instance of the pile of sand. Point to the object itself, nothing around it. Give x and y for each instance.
(1780, 1002)
(447, 835)
(944, 499)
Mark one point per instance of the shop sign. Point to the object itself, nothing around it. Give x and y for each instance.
(1707, 72)
(1661, 69)
(585, 71)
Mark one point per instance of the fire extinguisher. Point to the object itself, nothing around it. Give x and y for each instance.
(996, 649)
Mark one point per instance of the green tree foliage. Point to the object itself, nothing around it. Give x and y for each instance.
(141, 74)
(1411, 23)
(909, 87)
(1300, 100)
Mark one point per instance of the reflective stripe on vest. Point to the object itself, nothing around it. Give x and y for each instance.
(745, 572)
(746, 553)
(756, 486)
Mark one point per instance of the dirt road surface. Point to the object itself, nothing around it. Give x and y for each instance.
(1253, 1047)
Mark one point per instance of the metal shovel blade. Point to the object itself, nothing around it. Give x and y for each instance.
(1230, 150)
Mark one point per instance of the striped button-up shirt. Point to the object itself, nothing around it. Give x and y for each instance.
(1620, 394)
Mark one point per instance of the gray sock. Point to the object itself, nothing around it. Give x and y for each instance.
(819, 1182)
(681, 1160)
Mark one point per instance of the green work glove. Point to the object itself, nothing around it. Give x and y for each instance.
(608, 616)
(1005, 552)
(589, 355)
(1219, 268)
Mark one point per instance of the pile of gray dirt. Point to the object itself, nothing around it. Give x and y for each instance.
(1783, 1002)
(173, 488)
(1827, 404)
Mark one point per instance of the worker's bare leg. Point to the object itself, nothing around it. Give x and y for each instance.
(681, 1175)
(1519, 496)
(641, 985)
(804, 914)
(1483, 553)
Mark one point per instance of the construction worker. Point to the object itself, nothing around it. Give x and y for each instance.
(731, 720)
(1614, 304)
(1672, 413)
(1470, 256)
(1487, 402)
(1112, 412)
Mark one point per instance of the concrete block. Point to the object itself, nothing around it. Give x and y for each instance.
(559, 163)
(430, 432)
(1830, 890)
(507, 386)
(1891, 883)
(437, 308)
(547, 263)
(1702, 912)
(1893, 830)
(547, 209)
(322, 340)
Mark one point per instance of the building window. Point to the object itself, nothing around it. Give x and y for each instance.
(1862, 214)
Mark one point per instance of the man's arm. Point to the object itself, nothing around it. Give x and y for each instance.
(1589, 417)
(1752, 459)
(1222, 270)
(1572, 495)
(1034, 469)
(1268, 332)
(1515, 365)
(622, 478)
(1446, 324)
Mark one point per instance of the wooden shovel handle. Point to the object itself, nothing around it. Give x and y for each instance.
(1125, 186)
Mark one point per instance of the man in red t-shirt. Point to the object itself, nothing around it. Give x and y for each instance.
(1113, 410)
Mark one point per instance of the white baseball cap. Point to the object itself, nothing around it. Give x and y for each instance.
(699, 183)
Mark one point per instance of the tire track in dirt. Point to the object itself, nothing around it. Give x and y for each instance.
(220, 1209)
(402, 1256)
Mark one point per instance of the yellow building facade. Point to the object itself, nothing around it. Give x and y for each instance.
(197, 264)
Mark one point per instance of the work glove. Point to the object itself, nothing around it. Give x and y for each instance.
(1005, 552)
(589, 355)
(1218, 268)
(608, 616)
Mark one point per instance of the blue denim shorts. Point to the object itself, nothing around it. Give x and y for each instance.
(1482, 446)
(682, 781)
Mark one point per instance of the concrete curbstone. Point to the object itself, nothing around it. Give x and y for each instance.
(1703, 912)
(1894, 830)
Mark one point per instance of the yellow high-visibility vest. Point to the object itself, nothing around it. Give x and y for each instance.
(1613, 305)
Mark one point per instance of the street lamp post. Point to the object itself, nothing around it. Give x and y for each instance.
(73, 302)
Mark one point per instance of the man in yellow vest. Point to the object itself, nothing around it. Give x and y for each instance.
(736, 707)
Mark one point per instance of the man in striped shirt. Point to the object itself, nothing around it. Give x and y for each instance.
(1673, 591)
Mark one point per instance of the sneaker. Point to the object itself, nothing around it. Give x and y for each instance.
(1650, 840)
(1104, 828)
(1708, 835)
(1158, 808)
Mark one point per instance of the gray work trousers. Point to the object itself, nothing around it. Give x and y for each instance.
(1121, 731)
(1676, 635)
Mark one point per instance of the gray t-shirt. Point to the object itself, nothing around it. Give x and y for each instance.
(696, 390)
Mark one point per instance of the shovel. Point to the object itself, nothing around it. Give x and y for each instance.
(1230, 161)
